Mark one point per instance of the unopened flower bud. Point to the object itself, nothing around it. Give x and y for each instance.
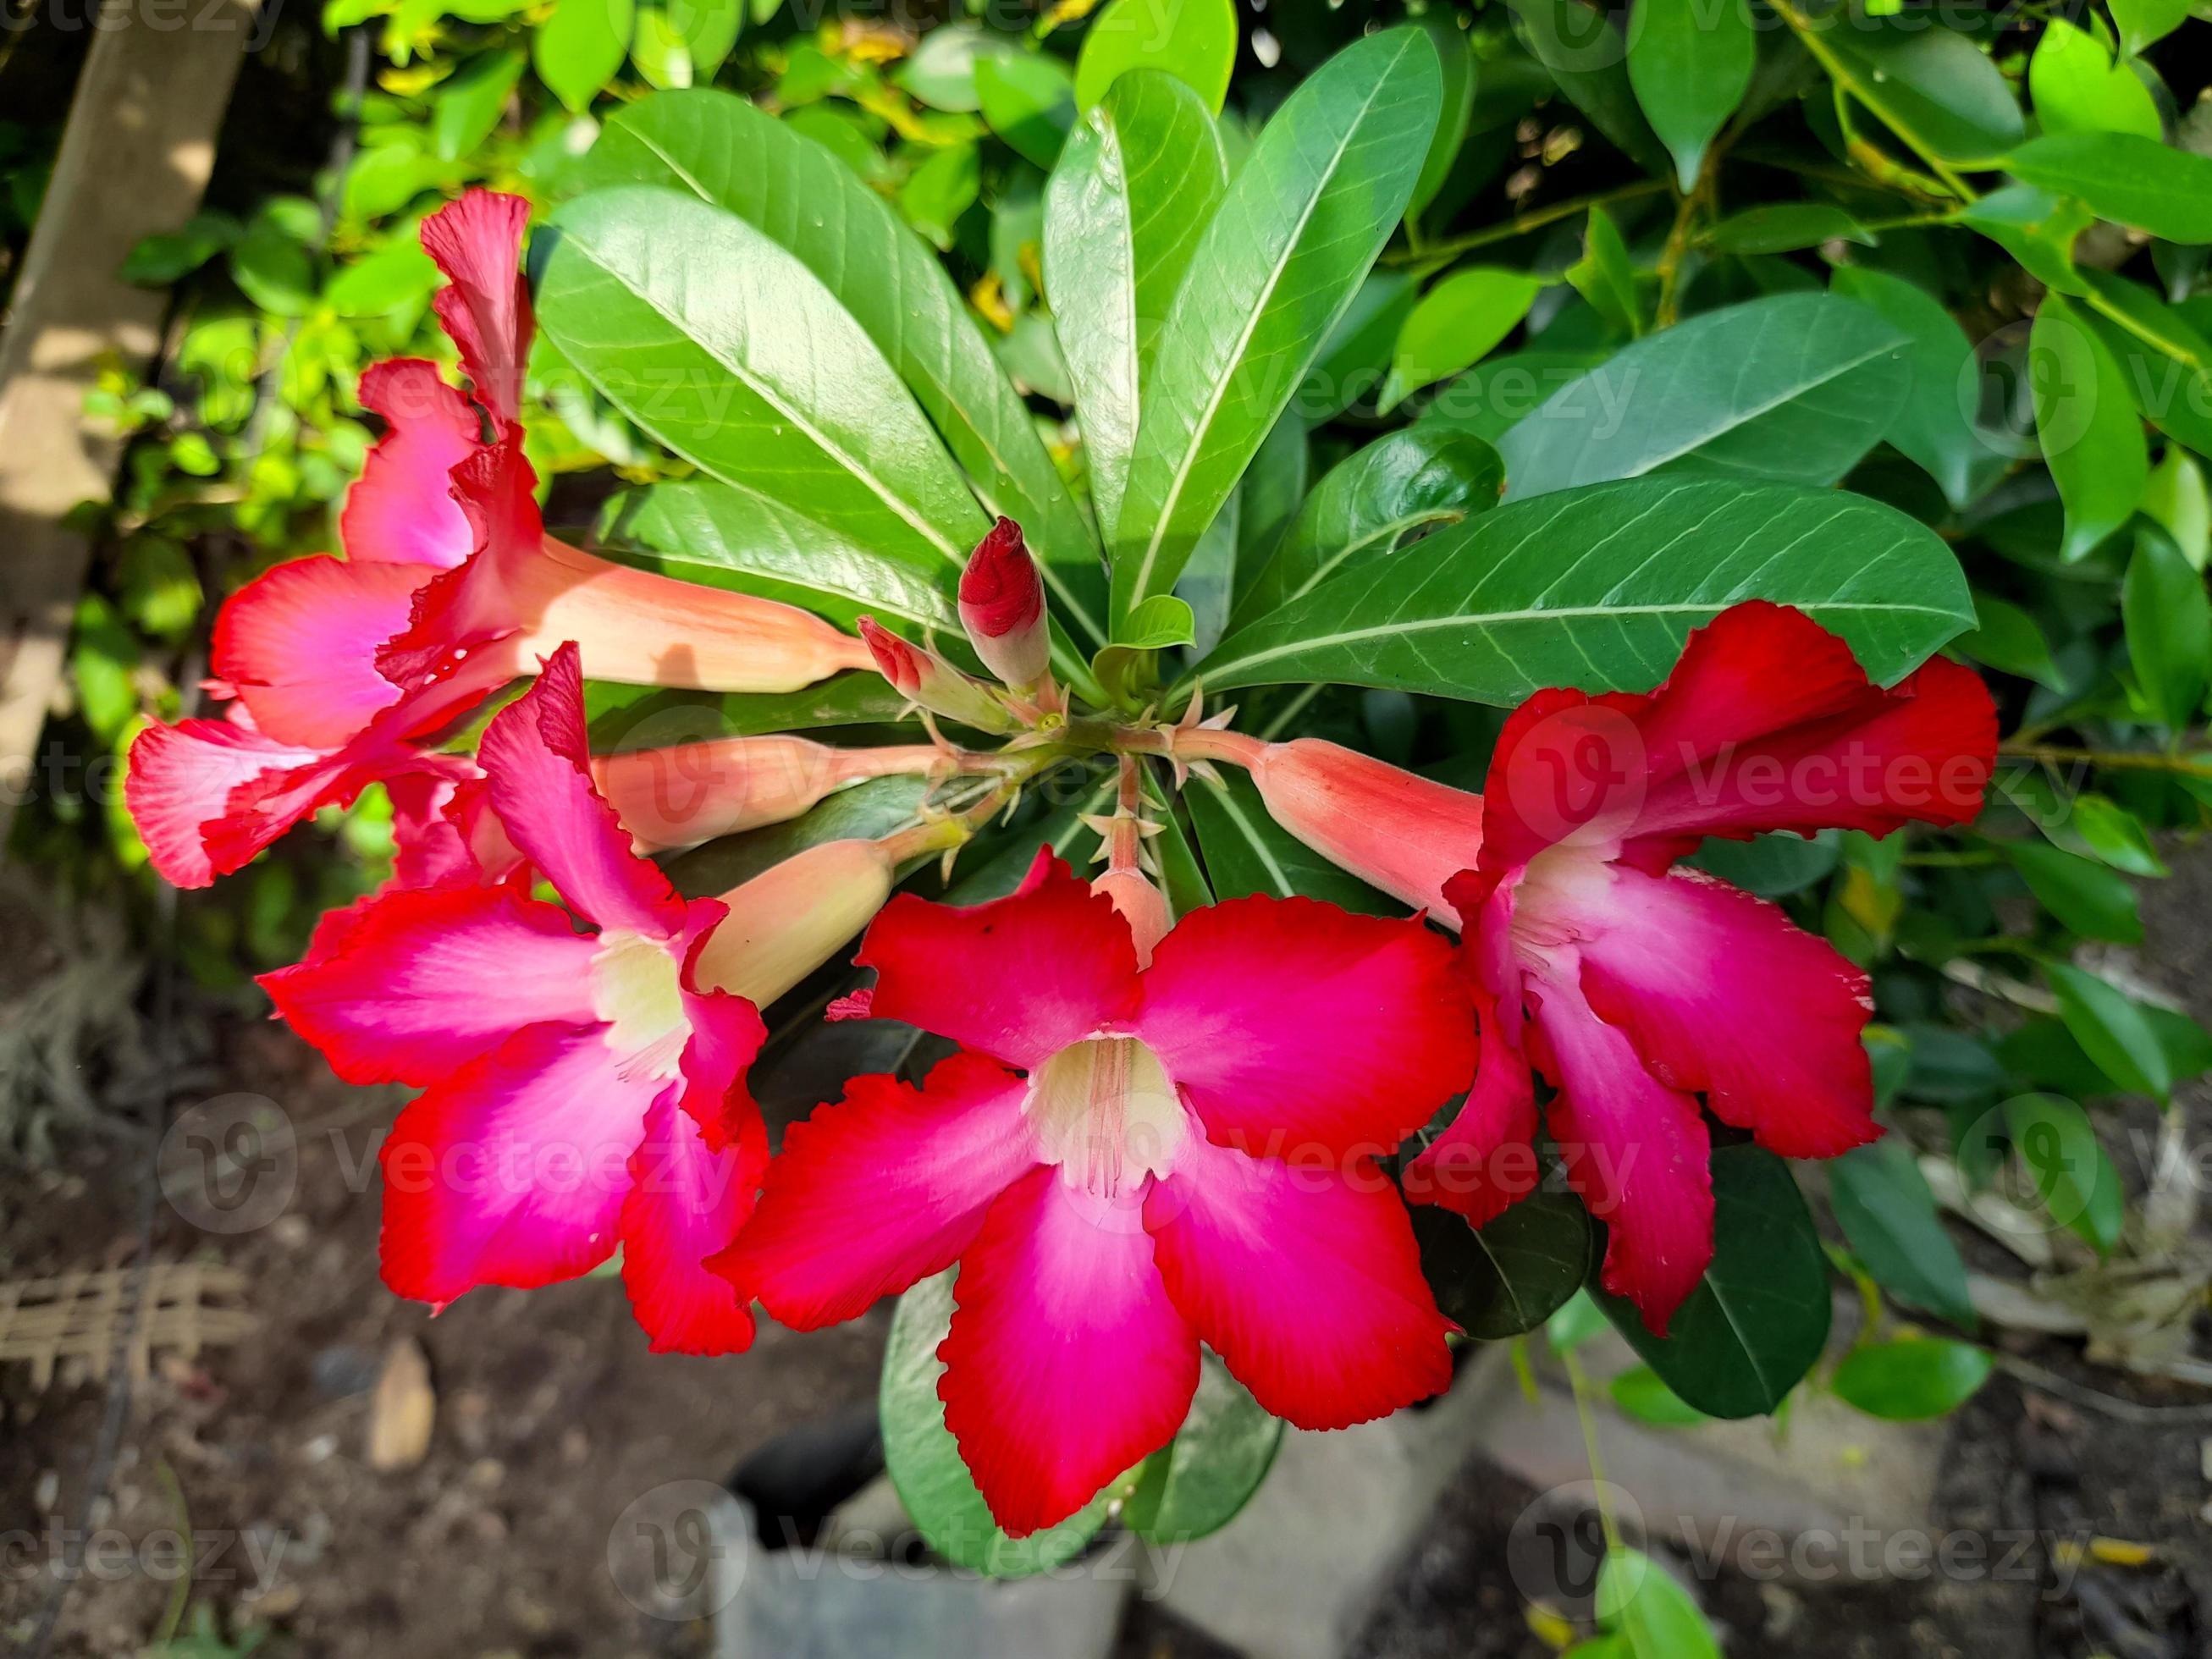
(921, 675)
(1002, 606)
(1394, 830)
(789, 920)
(689, 792)
(1141, 904)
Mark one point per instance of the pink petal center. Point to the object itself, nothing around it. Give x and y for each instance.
(1106, 1114)
(637, 988)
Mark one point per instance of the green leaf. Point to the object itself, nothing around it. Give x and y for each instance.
(158, 261)
(1135, 187)
(855, 699)
(1639, 1601)
(1691, 65)
(1784, 228)
(940, 190)
(1759, 1317)
(1157, 624)
(1643, 1393)
(730, 537)
(273, 270)
(1247, 852)
(657, 48)
(1913, 1379)
(1125, 668)
(1509, 1276)
(1598, 588)
(2092, 899)
(1028, 100)
(2177, 501)
(2125, 177)
(2008, 639)
(1587, 59)
(725, 347)
(1193, 40)
(1931, 426)
(1796, 388)
(2169, 630)
(2056, 1140)
(923, 1459)
(1209, 1472)
(1578, 1319)
(2143, 22)
(1931, 83)
(800, 195)
(1487, 400)
(578, 49)
(1772, 866)
(397, 275)
(1606, 276)
(1357, 354)
(468, 107)
(2086, 424)
(710, 31)
(2112, 1030)
(1278, 263)
(943, 70)
(1367, 502)
(863, 812)
(1455, 50)
(1882, 1202)
(2079, 85)
(1455, 325)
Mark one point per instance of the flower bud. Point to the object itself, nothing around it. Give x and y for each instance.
(689, 792)
(789, 920)
(921, 675)
(1002, 606)
(1138, 897)
(1401, 833)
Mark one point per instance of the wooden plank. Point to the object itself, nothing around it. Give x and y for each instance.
(134, 159)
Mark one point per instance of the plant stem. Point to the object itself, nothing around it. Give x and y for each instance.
(1847, 82)
(2112, 759)
(1442, 253)
(1580, 1384)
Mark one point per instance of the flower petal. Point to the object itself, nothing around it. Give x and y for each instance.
(180, 779)
(538, 770)
(1066, 1362)
(1721, 995)
(880, 1190)
(412, 986)
(1304, 1278)
(686, 1202)
(466, 608)
(1635, 1149)
(1485, 1159)
(1018, 978)
(1291, 1025)
(402, 510)
(514, 1170)
(476, 242)
(299, 644)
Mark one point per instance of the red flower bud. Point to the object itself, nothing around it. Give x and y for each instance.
(1002, 606)
(921, 675)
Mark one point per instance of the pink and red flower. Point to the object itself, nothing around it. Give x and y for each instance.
(582, 1089)
(1126, 1160)
(1636, 989)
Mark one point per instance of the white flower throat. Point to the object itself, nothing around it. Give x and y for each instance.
(637, 988)
(1105, 1112)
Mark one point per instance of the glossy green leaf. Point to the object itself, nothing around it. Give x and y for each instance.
(942, 71)
(1357, 355)
(1933, 426)
(397, 275)
(1772, 866)
(2080, 86)
(1598, 588)
(727, 536)
(1028, 100)
(1134, 189)
(1884, 1206)
(2086, 424)
(1247, 852)
(2178, 501)
(1587, 59)
(1278, 263)
(1691, 65)
(1367, 502)
(1490, 399)
(714, 338)
(1509, 1276)
(888, 281)
(1193, 40)
(2113, 1028)
(1650, 1613)
(1759, 1318)
(710, 31)
(1456, 51)
(940, 190)
(2092, 899)
(2008, 639)
(1211, 1470)
(578, 49)
(1784, 228)
(657, 48)
(1606, 276)
(1912, 1379)
(2169, 630)
(2143, 22)
(923, 1459)
(1643, 1393)
(1931, 83)
(1455, 325)
(1796, 388)
(853, 699)
(2125, 177)
(468, 105)
(2054, 1139)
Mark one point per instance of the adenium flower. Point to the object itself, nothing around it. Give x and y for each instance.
(1128, 1158)
(339, 671)
(1002, 606)
(927, 681)
(1632, 987)
(580, 1090)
